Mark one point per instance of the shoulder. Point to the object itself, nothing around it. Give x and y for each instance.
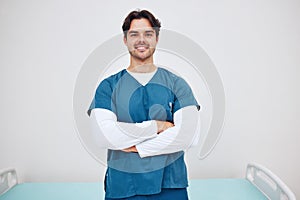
(165, 72)
(115, 77)
(176, 80)
(110, 82)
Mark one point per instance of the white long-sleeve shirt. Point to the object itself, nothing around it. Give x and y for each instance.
(111, 134)
(183, 135)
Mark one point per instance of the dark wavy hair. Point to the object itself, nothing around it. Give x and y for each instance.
(155, 23)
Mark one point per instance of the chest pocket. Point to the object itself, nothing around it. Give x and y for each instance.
(152, 102)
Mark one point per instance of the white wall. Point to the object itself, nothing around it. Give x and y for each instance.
(255, 46)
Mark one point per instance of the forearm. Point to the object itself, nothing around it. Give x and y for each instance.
(110, 134)
(183, 135)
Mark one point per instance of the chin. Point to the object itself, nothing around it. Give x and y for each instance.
(142, 57)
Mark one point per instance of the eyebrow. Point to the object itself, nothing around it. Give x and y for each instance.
(132, 31)
(147, 31)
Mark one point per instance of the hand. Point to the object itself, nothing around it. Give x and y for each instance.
(130, 149)
(163, 125)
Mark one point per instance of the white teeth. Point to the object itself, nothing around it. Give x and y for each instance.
(141, 48)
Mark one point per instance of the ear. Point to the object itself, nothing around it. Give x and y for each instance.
(157, 37)
(125, 40)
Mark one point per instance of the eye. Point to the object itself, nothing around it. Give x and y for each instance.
(149, 34)
(133, 34)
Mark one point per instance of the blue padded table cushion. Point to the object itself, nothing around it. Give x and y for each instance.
(207, 189)
(55, 191)
(217, 189)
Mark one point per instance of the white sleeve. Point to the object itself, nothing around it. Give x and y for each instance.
(183, 135)
(110, 134)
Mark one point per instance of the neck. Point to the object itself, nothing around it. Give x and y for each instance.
(141, 66)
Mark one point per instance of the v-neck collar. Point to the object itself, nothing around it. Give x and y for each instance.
(157, 69)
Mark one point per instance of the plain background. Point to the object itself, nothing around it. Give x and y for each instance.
(255, 46)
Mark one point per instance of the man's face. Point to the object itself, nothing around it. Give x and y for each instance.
(141, 39)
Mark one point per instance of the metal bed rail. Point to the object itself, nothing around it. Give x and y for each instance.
(8, 179)
(268, 183)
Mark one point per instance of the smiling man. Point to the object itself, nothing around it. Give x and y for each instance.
(138, 115)
(141, 41)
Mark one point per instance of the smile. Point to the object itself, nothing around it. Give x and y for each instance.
(142, 48)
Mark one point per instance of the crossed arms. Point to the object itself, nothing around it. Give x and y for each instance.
(148, 138)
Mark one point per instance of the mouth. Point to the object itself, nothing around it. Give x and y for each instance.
(142, 48)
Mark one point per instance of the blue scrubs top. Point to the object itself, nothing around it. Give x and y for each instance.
(127, 174)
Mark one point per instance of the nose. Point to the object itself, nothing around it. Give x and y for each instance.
(141, 37)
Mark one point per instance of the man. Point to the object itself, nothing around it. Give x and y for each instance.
(139, 115)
